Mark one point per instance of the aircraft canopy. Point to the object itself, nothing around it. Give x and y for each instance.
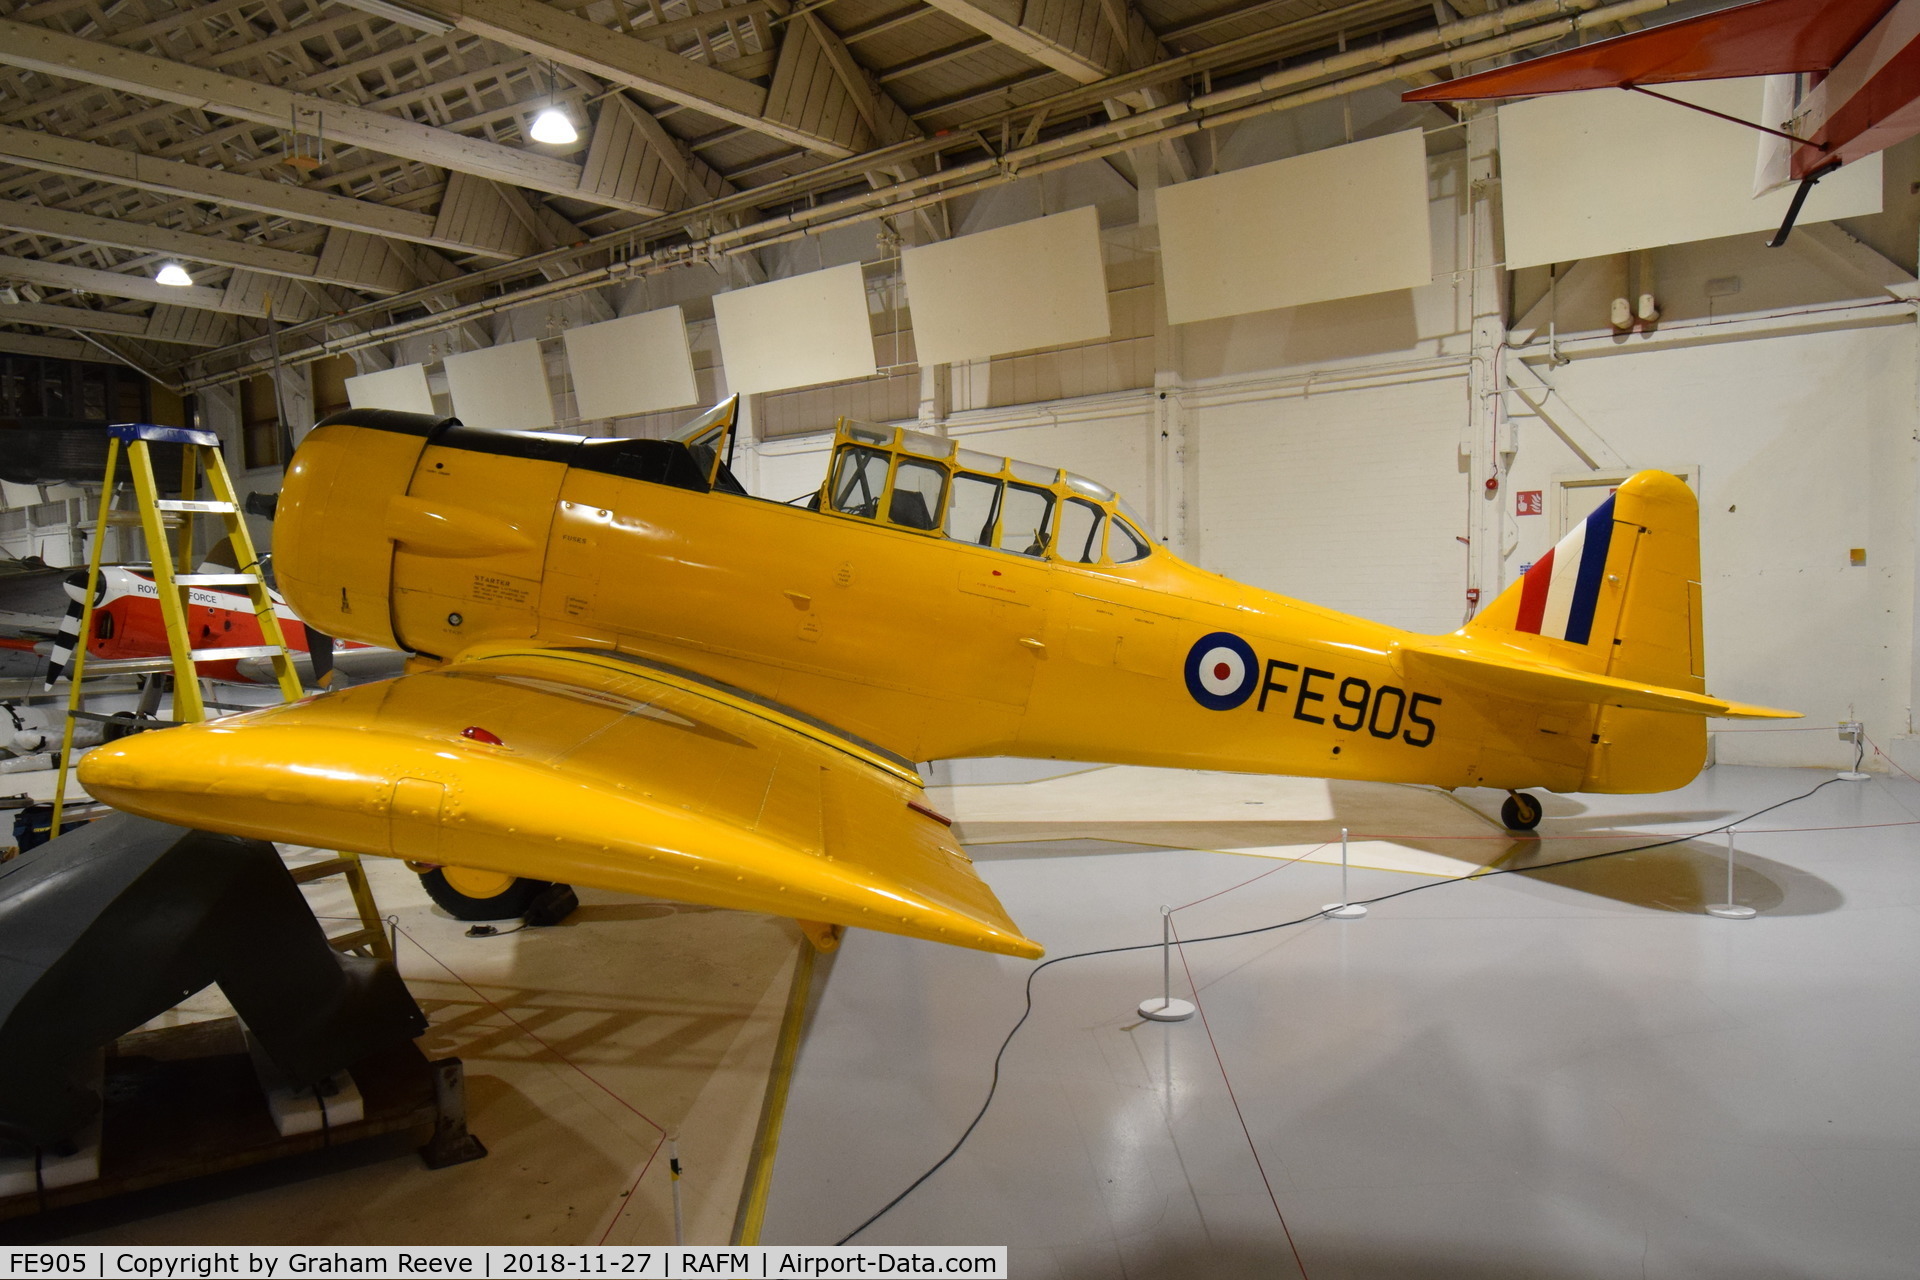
(930, 484)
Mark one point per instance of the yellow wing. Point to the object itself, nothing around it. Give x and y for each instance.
(606, 771)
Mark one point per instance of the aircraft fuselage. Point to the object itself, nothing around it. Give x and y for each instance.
(936, 648)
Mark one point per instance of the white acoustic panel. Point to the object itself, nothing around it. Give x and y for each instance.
(636, 364)
(1609, 170)
(403, 387)
(796, 332)
(1280, 480)
(1337, 223)
(1033, 284)
(501, 388)
(783, 476)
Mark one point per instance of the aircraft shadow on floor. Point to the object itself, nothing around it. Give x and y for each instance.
(639, 909)
(1459, 837)
(510, 1022)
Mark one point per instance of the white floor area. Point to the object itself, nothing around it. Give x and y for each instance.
(1572, 1073)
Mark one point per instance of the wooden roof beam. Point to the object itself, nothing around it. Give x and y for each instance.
(547, 32)
(33, 344)
(95, 163)
(798, 108)
(66, 57)
(164, 325)
(111, 284)
(81, 318)
(1073, 37)
(63, 224)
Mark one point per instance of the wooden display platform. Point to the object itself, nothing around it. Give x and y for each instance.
(184, 1102)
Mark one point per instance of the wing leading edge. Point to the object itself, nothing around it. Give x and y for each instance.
(605, 772)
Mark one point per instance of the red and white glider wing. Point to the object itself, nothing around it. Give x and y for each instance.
(1862, 58)
(1765, 38)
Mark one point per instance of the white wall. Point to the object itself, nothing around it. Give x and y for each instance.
(1345, 496)
(781, 471)
(1110, 447)
(1806, 450)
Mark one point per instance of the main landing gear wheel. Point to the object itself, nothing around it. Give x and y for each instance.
(1520, 811)
(466, 894)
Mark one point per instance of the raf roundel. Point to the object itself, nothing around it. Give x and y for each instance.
(1221, 671)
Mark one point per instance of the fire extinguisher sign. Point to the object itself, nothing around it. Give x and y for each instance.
(1527, 502)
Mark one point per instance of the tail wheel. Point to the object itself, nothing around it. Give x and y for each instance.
(1520, 811)
(466, 894)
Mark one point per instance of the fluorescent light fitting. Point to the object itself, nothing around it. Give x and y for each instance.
(172, 273)
(405, 15)
(551, 126)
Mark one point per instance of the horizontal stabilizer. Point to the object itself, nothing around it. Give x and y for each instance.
(1525, 677)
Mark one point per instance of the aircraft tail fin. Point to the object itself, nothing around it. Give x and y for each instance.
(1611, 617)
(1619, 595)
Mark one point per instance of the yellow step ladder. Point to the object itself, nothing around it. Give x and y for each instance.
(175, 579)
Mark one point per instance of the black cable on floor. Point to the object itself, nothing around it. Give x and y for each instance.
(994, 1086)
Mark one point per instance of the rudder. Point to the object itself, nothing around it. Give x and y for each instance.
(1619, 596)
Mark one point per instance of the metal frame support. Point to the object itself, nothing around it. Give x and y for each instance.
(451, 1143)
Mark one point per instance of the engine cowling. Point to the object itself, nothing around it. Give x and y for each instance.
(333, 558)
(415, 532)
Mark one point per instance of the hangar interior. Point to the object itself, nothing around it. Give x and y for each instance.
(1373, 355)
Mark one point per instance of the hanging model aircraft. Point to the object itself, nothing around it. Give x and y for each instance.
(631, 674)
(1849, 77)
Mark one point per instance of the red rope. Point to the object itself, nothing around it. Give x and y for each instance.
(1637, 835)
(529, 1033)
(626, 1197)
(1244, 883)
(1238, 1114)
(1889, 759)
(1799, 728)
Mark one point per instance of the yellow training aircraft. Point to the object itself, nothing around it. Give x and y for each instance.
(632, 674)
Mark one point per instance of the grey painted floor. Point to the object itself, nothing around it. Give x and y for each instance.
(1573, 1075)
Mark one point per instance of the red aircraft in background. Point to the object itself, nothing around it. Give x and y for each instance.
(1849, 77)
(127, 624)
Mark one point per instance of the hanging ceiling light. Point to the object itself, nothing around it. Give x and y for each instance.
(551, 125)
(172, 273)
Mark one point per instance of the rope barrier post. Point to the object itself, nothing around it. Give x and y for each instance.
(1346, 908)
(1731, 910)
(1166, 1008)
(1852, 731)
